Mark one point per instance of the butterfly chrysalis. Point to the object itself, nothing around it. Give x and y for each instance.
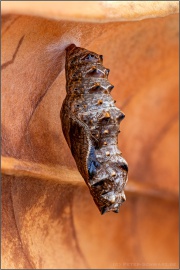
(90, 123)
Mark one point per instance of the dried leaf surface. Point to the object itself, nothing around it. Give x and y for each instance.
(100, 11)
(45, 214)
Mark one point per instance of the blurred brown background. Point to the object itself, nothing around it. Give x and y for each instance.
(49, 219)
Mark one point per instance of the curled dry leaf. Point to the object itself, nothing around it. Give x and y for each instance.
(46, 208)
(99, 11)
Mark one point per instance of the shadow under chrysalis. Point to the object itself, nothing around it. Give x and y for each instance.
(90, 123)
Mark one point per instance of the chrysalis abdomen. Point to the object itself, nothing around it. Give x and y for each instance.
(90, 123)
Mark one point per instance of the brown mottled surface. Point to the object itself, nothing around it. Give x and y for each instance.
(50, 224)
(90, 123)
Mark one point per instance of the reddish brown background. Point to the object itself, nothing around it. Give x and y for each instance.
(49, 219)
